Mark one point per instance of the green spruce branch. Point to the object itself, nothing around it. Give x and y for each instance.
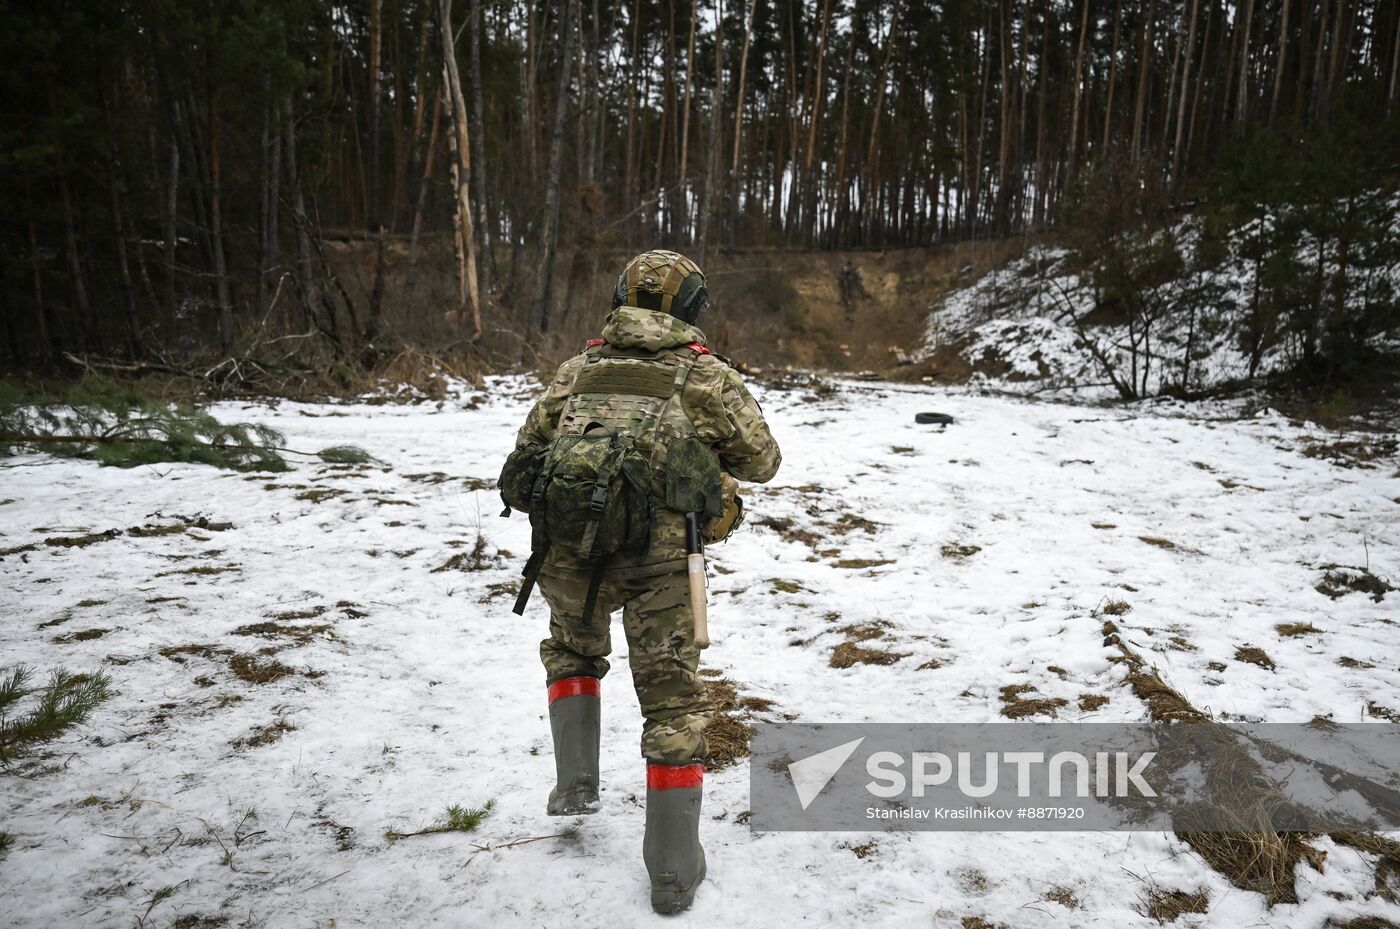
(102, 421)
(64, 702)
(457, 819)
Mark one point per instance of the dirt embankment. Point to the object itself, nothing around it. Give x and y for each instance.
(843, 311)
(835, 310)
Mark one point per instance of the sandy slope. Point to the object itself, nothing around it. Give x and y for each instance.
(410, 689)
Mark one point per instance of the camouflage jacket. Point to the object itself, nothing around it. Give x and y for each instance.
(713, 404)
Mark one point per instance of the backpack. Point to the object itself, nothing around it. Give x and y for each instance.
(588, 492)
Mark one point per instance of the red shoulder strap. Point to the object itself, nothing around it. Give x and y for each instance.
(699, 348)
(594, 343)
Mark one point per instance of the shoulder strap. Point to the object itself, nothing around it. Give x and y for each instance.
(652, 427)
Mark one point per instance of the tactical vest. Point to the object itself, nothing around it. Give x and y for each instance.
(592, 491)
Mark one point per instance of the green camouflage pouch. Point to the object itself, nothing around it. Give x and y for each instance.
(694, 481)
(594, 503)
(518, 476)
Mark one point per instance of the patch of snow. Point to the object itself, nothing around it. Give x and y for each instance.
(425, 690)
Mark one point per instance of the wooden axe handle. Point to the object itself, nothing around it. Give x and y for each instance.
(695, 570)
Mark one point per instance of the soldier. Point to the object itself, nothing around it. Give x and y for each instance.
(649, 382)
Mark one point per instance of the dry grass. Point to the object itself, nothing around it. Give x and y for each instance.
(857, 563)
(249, 669)
(1164, 704)
(864, 850)
(864, 632)
(202, 570)
(199, 921)
(1091, 702)
(1292, 629)
(1340, 580)
(81, 541)
(321, 494)
(850, 522)
(729, 732)
(86, 635)
(1249, 654)
(500, 589)
(849, 654)
(1353, 453)
(1382, 712)
(290, 616)
(1363, 922)
(957, 552)
(299, 635)
(177, 653)
(1015, 705)
(1255, 857)
(1166, 905)
(979, 922)
(1387, 852)
(155, 531)
(790, 531)
(1116, 608)
(1258, 860)
(474, 559)
(1158, 541)
(1064, 896)
(264, 735)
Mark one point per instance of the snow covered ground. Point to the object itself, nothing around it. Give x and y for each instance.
(227, 784)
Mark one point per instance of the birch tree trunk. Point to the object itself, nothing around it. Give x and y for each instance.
(1242, 100)
(686, 225)
(1282, 60)
(1077, 92)
(468, 296)
(739, 105)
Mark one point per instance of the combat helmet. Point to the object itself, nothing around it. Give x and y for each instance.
(665, 281)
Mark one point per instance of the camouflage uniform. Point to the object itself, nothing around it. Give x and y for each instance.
(650, 587)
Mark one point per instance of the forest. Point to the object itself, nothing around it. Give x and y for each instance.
(265, 183)
(1051, 372)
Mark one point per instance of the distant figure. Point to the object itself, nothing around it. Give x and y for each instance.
(594, 467)
(851, 285)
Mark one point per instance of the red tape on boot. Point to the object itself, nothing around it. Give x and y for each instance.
(583, 686)
(673, 776)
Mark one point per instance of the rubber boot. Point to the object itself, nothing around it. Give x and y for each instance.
(574, 711)
(671, 849)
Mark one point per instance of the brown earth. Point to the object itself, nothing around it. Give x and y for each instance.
(842, 311)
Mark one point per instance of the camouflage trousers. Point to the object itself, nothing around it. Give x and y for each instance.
(660, 650)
